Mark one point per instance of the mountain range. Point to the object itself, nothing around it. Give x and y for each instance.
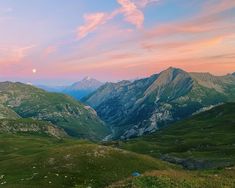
(135, 108)
(24, 101)
(44, 136)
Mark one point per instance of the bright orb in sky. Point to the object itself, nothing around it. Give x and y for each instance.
(34, 71)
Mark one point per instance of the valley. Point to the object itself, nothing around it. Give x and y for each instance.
(185, 135)
(117, 94)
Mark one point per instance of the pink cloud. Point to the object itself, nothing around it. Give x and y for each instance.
(50, 50)
(130, 9)
(218, 7)
(15, 54)
(132, 14)
(92, 21)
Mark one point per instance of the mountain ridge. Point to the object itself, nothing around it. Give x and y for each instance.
(144, 106)
(61, 110)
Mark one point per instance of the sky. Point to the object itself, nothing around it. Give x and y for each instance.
(61, 41)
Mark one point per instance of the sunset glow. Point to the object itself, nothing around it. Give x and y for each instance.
(114, 40)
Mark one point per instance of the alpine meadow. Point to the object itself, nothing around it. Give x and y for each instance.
(117, 94)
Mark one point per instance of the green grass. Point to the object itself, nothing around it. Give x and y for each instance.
(45, 162)
(33, 161)
(209, 136)
(180, 179)
(42, 161)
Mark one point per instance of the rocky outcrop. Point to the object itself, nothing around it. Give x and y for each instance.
(28, 126)
(193, 164)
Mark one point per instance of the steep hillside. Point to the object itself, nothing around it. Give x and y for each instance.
(143, 106)
(7, 113)
(61, 110)
(206, 140)
(83, 88)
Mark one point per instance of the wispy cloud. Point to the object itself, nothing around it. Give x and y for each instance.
(92, 21)
(14, 54)
(131, 11)
(132, 14)
(50, 50)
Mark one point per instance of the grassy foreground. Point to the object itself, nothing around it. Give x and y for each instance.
(46, 162)
(32, 161)
(205, 142)
(181, 179)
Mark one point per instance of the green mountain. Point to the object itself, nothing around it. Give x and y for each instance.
(143, 106)
(20, 100)
(206, 140)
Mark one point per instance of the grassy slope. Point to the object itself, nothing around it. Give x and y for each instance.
(61, 110)
(43, 162)
(206, 136)
(31, 161)
(180, 179)
(86, 125)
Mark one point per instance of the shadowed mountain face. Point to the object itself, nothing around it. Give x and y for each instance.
(82, 88)
(26, 101)
(143, 106)
(205, 140)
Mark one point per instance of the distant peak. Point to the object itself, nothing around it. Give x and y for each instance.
(87, 78)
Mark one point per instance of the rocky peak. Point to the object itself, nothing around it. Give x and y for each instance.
(170, 78)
